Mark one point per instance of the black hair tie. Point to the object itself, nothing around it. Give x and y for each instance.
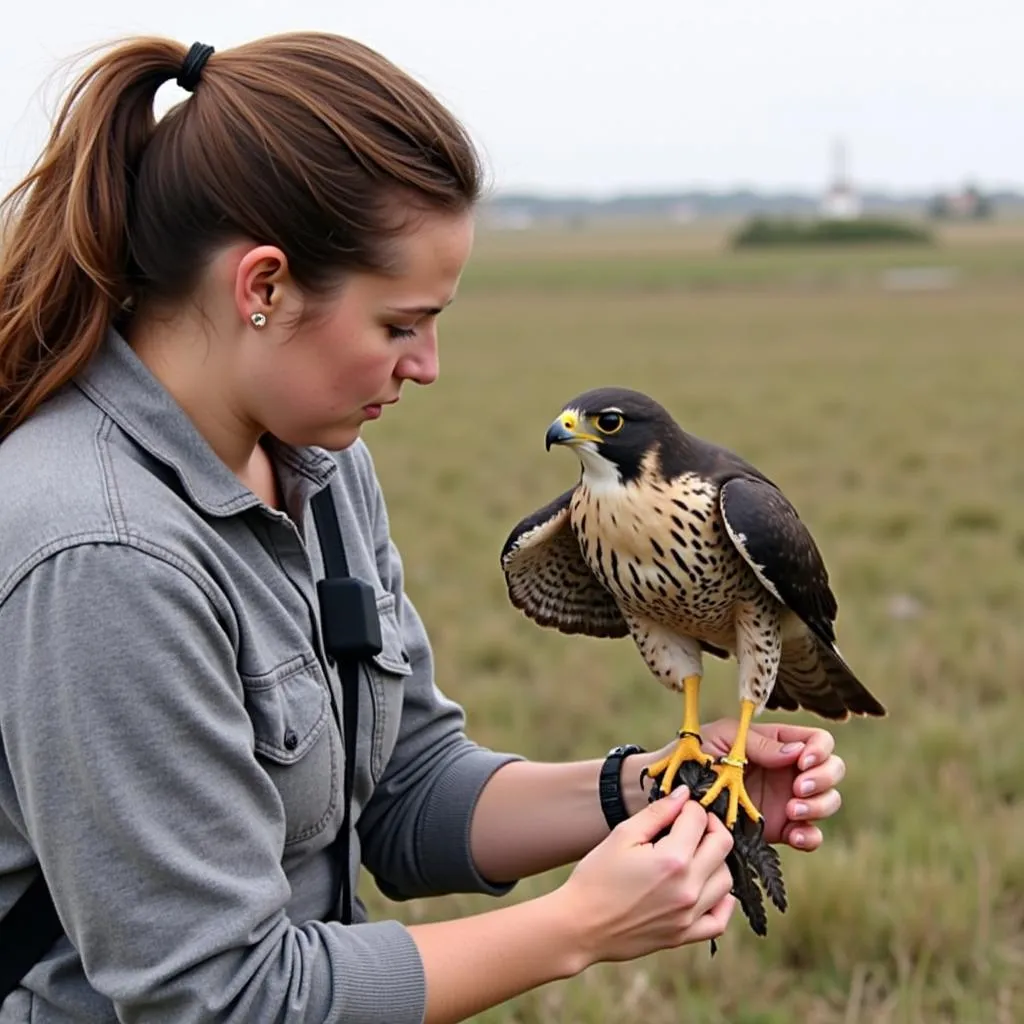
(192, 66)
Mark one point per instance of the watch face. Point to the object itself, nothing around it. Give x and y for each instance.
(623, 749)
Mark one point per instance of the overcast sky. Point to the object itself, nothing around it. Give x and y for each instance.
(599, 97)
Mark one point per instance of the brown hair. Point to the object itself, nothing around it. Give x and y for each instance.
(301, 141)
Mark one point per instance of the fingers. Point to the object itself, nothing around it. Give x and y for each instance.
(713, 924)
(816, 808)
(713, 849)
(827, 776)
(805, 838)
(770, 743)
(765, 751)
(815, 791)
(688, 828)
(643, 826)
(816, 799)
(818, 744)
(717, 887)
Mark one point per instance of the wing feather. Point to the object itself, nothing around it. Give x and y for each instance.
(549, 581)
(775, 543)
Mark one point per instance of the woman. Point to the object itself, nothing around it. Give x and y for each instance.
(192, 315)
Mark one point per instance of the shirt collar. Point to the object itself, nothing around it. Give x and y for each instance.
(121, 385)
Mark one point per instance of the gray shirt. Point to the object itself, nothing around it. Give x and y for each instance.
(168, 753)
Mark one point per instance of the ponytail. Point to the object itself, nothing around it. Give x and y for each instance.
(64, 255)
(304, 140)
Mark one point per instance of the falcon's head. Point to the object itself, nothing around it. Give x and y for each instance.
(612, 431)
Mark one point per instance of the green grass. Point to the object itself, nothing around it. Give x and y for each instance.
(895, 422)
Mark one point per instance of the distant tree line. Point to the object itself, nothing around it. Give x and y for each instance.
(775, 231)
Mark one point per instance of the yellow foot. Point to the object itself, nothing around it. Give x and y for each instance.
(730, 777)
(664, 771)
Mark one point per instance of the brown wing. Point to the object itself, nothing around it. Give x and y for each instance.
(549, 581)
(775, 543)
(771, 537)
(814, 676)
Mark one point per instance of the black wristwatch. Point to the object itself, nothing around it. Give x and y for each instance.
(609, 785)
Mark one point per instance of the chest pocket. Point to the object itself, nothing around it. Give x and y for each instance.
(290, 710)
(388, 672)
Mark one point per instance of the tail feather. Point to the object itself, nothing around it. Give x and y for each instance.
(814, 676)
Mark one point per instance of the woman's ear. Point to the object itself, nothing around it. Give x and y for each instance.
(262, 281)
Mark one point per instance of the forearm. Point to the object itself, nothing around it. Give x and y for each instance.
(533, 816)
(477, 962)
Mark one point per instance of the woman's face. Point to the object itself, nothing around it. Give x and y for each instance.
(317, 382)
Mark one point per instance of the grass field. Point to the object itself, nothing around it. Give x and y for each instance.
(894, 421)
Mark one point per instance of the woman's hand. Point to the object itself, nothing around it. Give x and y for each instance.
(791, 776)
(629, 897)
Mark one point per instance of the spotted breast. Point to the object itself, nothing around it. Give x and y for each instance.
(661, 549)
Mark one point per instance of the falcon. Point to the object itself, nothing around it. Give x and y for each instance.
(688, 549)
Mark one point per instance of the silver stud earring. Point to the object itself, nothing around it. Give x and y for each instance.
(258, 320)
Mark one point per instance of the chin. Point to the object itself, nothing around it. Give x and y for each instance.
(334, 438)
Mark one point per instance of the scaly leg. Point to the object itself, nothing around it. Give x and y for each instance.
(730, 773)
(687, 749)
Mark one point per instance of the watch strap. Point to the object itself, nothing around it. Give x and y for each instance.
(609, 784)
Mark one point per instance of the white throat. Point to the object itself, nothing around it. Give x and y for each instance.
(599, 475)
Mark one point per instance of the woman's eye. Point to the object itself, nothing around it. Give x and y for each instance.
(609, 422)
(400, 332)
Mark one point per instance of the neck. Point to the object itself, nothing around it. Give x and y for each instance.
(599, 475)
(187, 359)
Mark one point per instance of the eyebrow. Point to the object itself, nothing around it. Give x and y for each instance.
(421, 310)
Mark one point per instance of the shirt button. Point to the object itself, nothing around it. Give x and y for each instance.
(291, 739)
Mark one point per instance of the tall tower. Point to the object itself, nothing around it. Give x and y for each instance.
(840, 201)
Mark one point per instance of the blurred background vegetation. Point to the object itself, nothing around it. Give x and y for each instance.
(880, 386)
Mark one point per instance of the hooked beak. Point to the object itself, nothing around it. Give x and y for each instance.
(566, 430)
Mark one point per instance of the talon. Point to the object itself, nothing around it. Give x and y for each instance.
(729, 770)
(730, 778)
(664, 772)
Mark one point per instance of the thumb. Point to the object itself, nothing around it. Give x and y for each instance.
(768, 752)
(658, 815)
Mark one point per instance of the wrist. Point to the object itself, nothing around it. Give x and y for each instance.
(634, 795)
(609, 788)
(573, 949)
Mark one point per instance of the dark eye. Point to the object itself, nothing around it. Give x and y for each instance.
(396, 333)
(609, 422)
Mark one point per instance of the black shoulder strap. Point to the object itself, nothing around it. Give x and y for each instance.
(331, 545)
(27, 931)
(351, 632)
